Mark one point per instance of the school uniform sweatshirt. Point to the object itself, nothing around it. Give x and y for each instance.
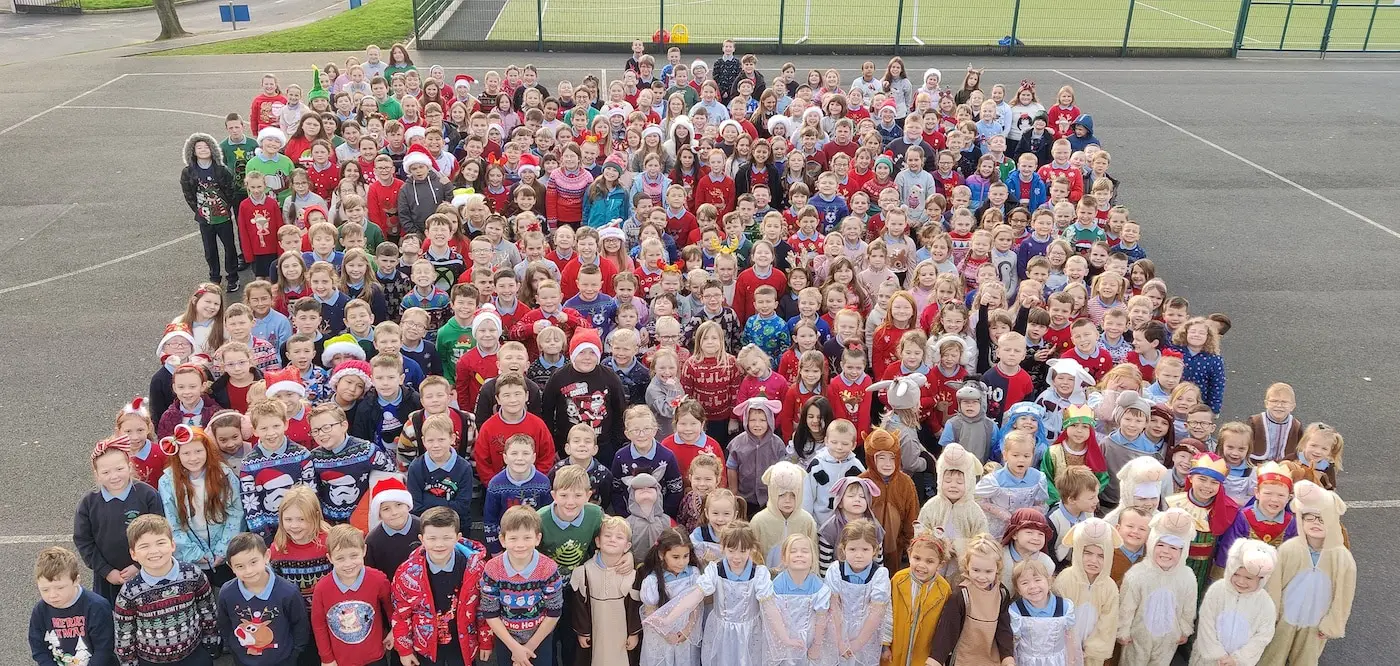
(99, 528)
(58, 635)
(277, 625)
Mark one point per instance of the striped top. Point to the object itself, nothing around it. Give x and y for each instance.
(521, 599)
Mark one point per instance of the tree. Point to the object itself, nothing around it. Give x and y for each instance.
(170, 27)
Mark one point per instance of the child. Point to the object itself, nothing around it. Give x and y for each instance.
(1237, 615)
(737, 583)
(298, 550)
(975, 624)
(105, 514)
(1087, 351)
(569, 525)
(436, 595)
(784, 515)
(953, 509)
(1087, 585)
(510, 419)
(1157, 600)
(754, 450)
(1078, 491)
(645, 455)
(200, 496)
(261, 615)
(848, 391)
(519, 483)
(1315, 582)
(719, 508)
(1320, 454)
(68, 622)
(393, 529)
(1127, 442)
(1042, 622)
(702, 478)
(917, 597)
(1205, 500)
(580, 450)
(521, 592)
(350, 610)
(440, 477)
(1017, 485)
(1077, 444)
(970, 426)
(645, 514)
(192, 406)
(598, 594)
(1028, 536)
(272, 467)
(1133, 527)
(802, 602)
(1233, 444)
(895, 503)
(828, 467)
(670, 572)
(1274, 432)
(342, 464)
(622, 359)
(165, 613)
(664, 395)
(853, 496)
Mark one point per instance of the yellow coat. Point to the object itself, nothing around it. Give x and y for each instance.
(915, 617)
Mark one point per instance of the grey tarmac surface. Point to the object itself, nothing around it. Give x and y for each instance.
(90, 153)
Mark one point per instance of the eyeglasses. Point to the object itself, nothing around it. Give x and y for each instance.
(1203, 424)
(325, 429)
(237, 364)
(641, 430)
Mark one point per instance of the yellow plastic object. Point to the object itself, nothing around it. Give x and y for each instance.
(680, 34)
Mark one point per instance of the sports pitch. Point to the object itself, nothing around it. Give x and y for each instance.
(1069, 23)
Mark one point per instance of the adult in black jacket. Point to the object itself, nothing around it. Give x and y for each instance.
(210, 192)
(583, 391)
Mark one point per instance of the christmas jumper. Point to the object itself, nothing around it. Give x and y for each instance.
(342, 475)
(79, 633)
(448, 484)
(350, 621)
(165, 619)
(265, 627)
(489, 451)
(264, 477)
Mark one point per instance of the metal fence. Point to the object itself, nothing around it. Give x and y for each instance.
(1013, 27)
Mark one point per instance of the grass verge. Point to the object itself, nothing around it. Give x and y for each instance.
(376, 22)
(94, 5)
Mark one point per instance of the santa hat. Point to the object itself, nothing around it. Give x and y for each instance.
(612, 231)
(273, 475)
(417, 154)
(272, 133)
(173, 332)
(485, 313)
(137, 407)
(654, 130)
(286, 379)
(414, 133)
(462, 81)
(585, 339)
(352, 368)
(783, 477)
(341, 344)
(1174, 527)
(902, 392)
(1028, 519)
(699, 64)
(932, 71)
(731, 123)
(779, 121)
(529, 162)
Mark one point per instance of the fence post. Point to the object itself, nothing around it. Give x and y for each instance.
(661, 17)
(898, 24)
(1287, 16)
(1015, 21)
(1327, 29)
(1127, 29)
(1240, 28)
(1375, 6)
(539, 25)
(782, 19)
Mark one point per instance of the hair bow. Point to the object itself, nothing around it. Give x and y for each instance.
(200, 292)
(675, 402)
(1027, 84)
(854, 344)
(184, 434)
(945, 93)
(120, 443)
(136, 406)
(191, 364)
(1172, 353)
(591, 137)
(496, 160)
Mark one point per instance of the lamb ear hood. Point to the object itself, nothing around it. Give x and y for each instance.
(1092, 532)
(784, 477)
(1255, 557)
(214, 153)
(1177, 528)
(1308, 497)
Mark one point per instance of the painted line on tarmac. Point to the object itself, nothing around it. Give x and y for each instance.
(144, 108)
(88, 269)
(1191, 20)
(1262, 169)
(1374, 504)
(45, 112)
(1045, 70)
(36, 538)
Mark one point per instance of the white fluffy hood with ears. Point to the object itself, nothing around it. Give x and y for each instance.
(1308, 497)
(1255, 557)
(1177, 527)
(1092, 532)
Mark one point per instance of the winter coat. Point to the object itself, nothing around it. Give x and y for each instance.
(415, 618)
(1078, 143)
(217, 177)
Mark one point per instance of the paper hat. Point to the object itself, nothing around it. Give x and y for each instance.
(341, 344)
(286, 379)
(1211, 465)
(1273, 472)
(417, 154)
(352, 368)
(1078, 414)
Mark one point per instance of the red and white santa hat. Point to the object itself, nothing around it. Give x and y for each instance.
(272, 133)
(351, 368)
(585, 339)
(529, 162)
(388, 489)
(286, 379)
(486, 312)
(273, 478)
(612, 230)
(172, 332)
(415, 132)
(462, 81)
(137, 407)
(418, 154)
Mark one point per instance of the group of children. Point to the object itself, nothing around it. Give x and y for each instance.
(685, 370)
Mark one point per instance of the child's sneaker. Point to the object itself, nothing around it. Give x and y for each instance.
(232, 285)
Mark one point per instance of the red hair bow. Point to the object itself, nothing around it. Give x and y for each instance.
(1027, 84)
(184, 434)
(118, 443)
(1172, 353)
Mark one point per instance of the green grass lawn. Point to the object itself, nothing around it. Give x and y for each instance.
(91, 5)
(375, 22)
(1155, 23)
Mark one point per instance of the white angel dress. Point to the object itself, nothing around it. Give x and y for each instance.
(657, 650)
(852, 602)
(1041, 637)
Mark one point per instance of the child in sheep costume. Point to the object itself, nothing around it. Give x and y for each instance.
(1089, 586)
(772, 525)
(1143, 482)
(954, 509)
(1237, 615)
(1157, 603)
(1313, 598)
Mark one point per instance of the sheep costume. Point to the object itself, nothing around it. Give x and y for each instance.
(1233, 624)
(1146, 479)
(773, 528)
(1156, 607)
(1096, 601)
(1311, 598)
(959, 520)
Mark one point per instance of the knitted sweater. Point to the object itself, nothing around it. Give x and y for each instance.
(522, 600)
(264, 633)
(570, 545)
(350, 625)
(595, 398)
(635, 379)
(264, 477)
(166, 621)
(713, 382)
(503, 493)
(342, 477)
(489, 451)
(99, 527)
(302, 564)
(449, 486)
(563, 196)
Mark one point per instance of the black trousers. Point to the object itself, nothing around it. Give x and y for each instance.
(262, 265)
(212, 235)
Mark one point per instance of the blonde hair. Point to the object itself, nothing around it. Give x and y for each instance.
(717, 495)
(706, 460)
(572, 477)
(1030, 566)
(982, 545)
(1018, 437)
(1324, 430)
(1181, 390)
(615, 523)
(792, 540)
(341, 537)
(1122, 371)
(1212, 344)
(1277, 388)
(300, 497)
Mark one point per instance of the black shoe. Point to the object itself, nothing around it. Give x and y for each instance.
(232, 285)
(242, 265)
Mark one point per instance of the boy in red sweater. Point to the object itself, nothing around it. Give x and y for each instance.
(586, 244)
(1059, 165)
(715, 187)
(351, 608)
(1087, 349)
(1058, 335)
(761, 273)
(680, 223)
(510, 419)
(383, 197)
(549, 313)
(259, 219)
(847, 391)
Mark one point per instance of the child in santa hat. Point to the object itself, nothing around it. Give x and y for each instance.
(422, 191)
(583, 391)
(393, 528)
